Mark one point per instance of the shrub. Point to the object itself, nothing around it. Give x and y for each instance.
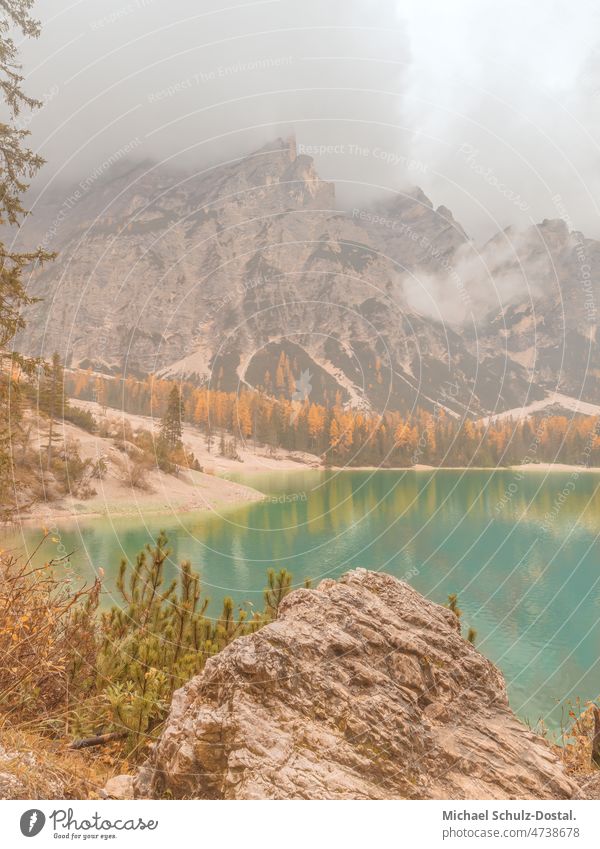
(453, 606)
(80, 671)
(133, 471)
(158, 639)
(46, 638)
(71, 471)
(99, 469)
(579, 732)
(81, 418)
(138, 475)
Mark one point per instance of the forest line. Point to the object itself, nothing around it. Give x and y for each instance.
(342, 436)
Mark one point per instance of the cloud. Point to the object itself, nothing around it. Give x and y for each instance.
(506, 80)
(201, 83)
(396, 92)
(516, 265)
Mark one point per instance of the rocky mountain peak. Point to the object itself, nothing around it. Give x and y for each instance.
(287, 145)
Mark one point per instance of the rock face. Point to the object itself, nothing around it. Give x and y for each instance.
(552, 329)
(362, 689)
(213, 275)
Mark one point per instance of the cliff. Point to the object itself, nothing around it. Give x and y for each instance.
(212, 274)
(361, 689)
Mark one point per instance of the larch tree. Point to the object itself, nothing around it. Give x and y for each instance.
(397, 439)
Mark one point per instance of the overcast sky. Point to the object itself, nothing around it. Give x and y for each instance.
(493, 108)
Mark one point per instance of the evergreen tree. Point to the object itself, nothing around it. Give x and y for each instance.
(52, 399)
(18, 164)
(453, 605)
(353, 437)
(10, 417)
(279, 585)
(171, 430)
(158, 638)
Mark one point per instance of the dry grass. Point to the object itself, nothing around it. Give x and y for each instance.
(48, 646)
(576, 749)
(46, 638)
(35, 767)
(66, 671)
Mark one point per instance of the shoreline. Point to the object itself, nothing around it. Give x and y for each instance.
(421, 467)
(212, 495)
(260, 459)
(219, 493)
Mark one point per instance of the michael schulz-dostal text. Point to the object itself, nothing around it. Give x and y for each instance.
(524, 816)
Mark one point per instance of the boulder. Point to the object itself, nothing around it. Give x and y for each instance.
(361, 689)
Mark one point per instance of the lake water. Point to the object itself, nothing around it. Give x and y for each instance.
(520, 550)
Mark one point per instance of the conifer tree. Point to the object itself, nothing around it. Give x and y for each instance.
(279, 585)
(52, 399)
(18, 165)
(398, 438)
(453, 605)
(171, 430)
(158, 638)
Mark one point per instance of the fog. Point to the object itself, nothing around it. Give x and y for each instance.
(492, 108)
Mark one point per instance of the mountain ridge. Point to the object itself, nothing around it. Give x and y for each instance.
(214, 276)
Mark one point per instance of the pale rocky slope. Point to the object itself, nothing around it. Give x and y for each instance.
(119, 491)
(252, 458)
(361, 689)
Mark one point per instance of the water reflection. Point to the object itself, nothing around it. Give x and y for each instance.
(522, 556)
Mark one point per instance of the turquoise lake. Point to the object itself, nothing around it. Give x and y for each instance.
(520, 550)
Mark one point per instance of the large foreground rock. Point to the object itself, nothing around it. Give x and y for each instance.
(362, 689)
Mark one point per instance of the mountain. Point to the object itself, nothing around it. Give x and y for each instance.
(551, 329)
(240, 273)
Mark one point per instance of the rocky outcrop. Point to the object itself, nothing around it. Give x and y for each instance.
(550, 326)
(361, 689)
